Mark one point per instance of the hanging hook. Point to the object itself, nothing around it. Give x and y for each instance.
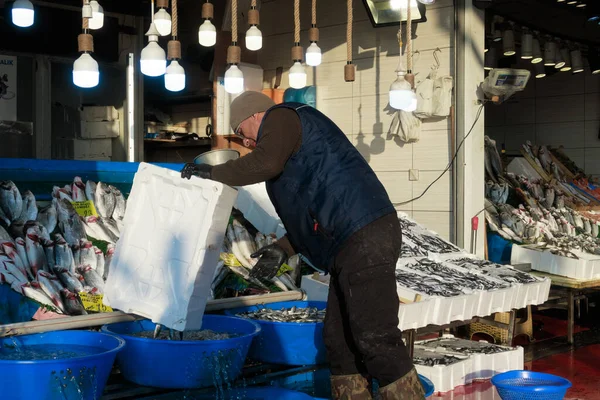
(435, 57)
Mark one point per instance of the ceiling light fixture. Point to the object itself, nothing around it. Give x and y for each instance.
(508, 40)
(97, 20)
(566, 56)
(162, 19)
(559, 56)
(426, 2)
(253, 35)
(540, 71)
(576, 61)
(153, 60)
(537, 51)
(207, 34)
(594, 60)
(313, 52)
(86, 73)
(526, 44)
(490, 59)
(23, 13)
(234, 77)
(549, 53)
(497, 21)
(402, 96)
(297, 76)
(175, 75)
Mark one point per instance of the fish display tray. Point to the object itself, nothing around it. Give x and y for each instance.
(475, 366)
(587, 267)
(169, 248)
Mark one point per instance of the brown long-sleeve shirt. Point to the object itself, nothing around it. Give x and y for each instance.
(280, 139)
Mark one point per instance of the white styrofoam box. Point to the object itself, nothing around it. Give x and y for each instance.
(253, 201)
(493, 301)
(100, 129)
(415, 315)
(585, 268)
(82, 149)
(166, 257)
(445, 377)
(99, 113)
(316, 289)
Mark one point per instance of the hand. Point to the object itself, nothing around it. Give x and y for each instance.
(200, 170)
(272, 258)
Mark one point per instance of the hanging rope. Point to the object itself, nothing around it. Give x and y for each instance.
(409, 55)
(174, 46)
(234, 21)
(313, 33)
(349, 72)
(297, 52)
(314, 12)
(175, 21)
(85, 41)
(253, 16)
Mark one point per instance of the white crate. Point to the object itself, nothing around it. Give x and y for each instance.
(100, 129)
(254, 202)
(587, 267)
(166, 257)
(99, 113)
(415, 315)
(445, 377)
(316, 289)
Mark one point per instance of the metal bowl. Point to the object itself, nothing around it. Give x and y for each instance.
(216, 157)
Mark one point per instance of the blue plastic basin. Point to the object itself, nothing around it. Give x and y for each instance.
(185, 364)
(82, 376)
(287, 343)
(256, 393)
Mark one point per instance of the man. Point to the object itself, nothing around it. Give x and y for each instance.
(339, 216)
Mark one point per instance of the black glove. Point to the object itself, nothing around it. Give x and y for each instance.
(272, 258)
(200, 170)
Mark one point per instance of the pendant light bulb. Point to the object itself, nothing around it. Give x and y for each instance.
(253, 38)
(426, 2)
(23, 13)
(313, 55)
(97, 20)
(207, 34)
(576, 61)
(537, 52)
(402, 97)
(85, 72)
(396, 4)
(540, 71)
(175, 77)
(162, 21)
(527, 46)
(297, 76)
(234, 80)
(153, 60)
(550, 54)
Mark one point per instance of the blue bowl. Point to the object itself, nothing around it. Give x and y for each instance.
(528, 385)
(185, 364)
(82, 366)
(427, 386)
(255, 393)
(287, 343)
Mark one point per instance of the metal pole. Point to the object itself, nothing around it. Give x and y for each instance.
(131, 108)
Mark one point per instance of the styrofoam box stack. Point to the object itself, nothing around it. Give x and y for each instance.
(166, 257)
(585, 268)
(476, 366)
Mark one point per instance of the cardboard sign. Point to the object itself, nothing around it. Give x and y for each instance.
(85, 208)
(93, 302)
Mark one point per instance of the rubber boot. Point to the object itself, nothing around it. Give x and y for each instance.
(350, 387)
(408, 387)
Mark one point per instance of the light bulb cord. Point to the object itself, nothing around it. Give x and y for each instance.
(314, 13)
(152, 10)
(296, 22)
(234, 21)
(409, 55)
(85, 22)
(175, 19)
(85, 41)
(349, 33)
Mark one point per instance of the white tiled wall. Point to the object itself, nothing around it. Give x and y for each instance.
(361, 108)
(559, 110)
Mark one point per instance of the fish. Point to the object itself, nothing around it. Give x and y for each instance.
(10, 249)
(545, 159)
(4, 221)
(99, 261)
(235, 249)
(78, 190)
(296, 265)
(559, 201)
(86, 254)
(111, 226)
(48, 246)
(39, 296)
(47, 216)
(69, 222)
(49, 286)
(61, 193)
(110, 251)
(72, 304)
(549, 200)
(63, 254)
(22, 252)
(69, 280)
(245, 242)
(29, 209)
(287, 281)
(104, 200)
(35, 252)
(4, 235)
(10, 268)
(293, 314)
(11, 201)
(244, 273)
(96, 230)
(76, 255)
(595, 229)
(92, 278)
(277, 282)
(587, 226)
(90, 191)
(120, 204)
(39, 228)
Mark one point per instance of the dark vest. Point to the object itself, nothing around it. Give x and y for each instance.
(327, 191)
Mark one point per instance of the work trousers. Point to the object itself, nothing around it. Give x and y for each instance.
(361, 325)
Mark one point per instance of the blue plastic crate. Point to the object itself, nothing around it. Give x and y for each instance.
(499, 249)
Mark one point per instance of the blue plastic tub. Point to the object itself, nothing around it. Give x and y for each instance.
(254, 393)
(185, 364)
(528, 385)
(288, 343)
(81, 377)
(317, 384)
(499, 249)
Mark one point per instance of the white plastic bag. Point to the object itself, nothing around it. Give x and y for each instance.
(409, 126)
(424, 92)
(442, 96)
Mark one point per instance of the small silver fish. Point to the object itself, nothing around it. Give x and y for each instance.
(104, 200)
(69, 280)
(92, 278)
(49, 287)
(11, 201)
(78, 190)
(35, 252)
(120, 204)
(47, 216)
(29, 209)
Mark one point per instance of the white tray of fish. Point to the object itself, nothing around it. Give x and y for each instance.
(446, 371)
(165, 261)
(585, 267)
(420, 241)
(529, 289)
(487, 359)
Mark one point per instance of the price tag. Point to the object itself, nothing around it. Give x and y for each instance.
(230, 260)
(93, 302)
(85, 208)
(284, 268)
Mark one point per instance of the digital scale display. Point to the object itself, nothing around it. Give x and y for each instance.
(511, 80)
